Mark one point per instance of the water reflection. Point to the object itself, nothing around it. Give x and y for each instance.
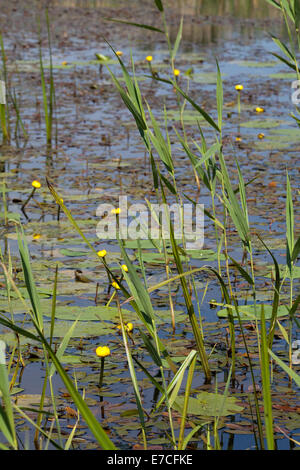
(210, 21)
(255, 9)
(206, 21)
(251, 9)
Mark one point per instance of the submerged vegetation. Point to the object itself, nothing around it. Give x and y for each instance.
(174, 355)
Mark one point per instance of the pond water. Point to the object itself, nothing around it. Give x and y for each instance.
(98, 156)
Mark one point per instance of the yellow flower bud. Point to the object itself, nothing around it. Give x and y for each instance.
(103, 351)
(239, 87)
(36, 184)
(102, 253)
(149, 58)
(115, 211)
(124, 267)
(176, 72)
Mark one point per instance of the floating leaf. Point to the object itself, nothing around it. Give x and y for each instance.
(254, 64)
(247, 312)
(68, 252)
(209, 404)
(263, 124)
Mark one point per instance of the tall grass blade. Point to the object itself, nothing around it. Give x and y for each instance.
(138, 25)
(219, 97)
(133, 377)
(188, 301)
(276, 296)
(178, 377)
(266, 389)
(177, 41)
(7, 424)
(159, 5)
(186, 402)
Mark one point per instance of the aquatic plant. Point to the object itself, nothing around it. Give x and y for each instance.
(48, 98)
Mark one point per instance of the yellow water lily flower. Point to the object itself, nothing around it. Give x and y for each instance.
(261, 135)
(149, 58)
(119, 53)
(115, 211)
(176, 72)
(239, 87)
(36, 184)
(102, 253)
(259, 110)
(128, 327)
(103, 351)
(36, 236)
(115, 285)
(238, 139)
(64, 62)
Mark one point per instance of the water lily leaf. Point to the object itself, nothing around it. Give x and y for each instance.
(247, 312)
(284, 272)
(284, 76)
(70, 359)
(157, 258)
(205, 77)
(43, 293)
(188, 116)
(207, 255)
(91, 313)
(291, 133)
(144, 244)
(270, 144)
(29, 400)
(263, 123)
(254, 64)
(61, 328)
(163, 316)
(209, 404)
(68, 252)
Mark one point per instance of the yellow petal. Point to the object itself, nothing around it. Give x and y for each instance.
(102, 253)
(115, 211)
(36, 184)
(103, 351)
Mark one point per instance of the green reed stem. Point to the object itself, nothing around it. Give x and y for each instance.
(186, 402)
(266, 389)
(101, 372)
